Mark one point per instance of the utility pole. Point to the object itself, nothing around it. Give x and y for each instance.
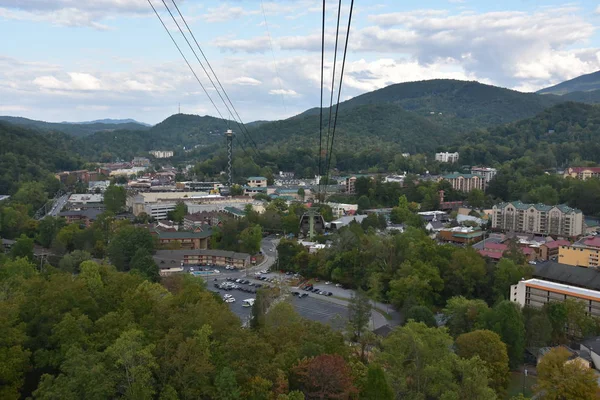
(229, 137)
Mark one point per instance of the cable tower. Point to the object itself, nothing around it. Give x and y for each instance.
(229, 137)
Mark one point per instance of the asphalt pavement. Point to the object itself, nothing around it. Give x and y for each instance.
(58, 205)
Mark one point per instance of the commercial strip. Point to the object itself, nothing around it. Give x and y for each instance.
(171, 261)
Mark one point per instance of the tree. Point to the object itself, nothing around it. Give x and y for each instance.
(125, 243)
(359, 315)
(363, 203)
(48, 229)
(476, 198)
(226, 385)
(506, 274)
(71, 261)
(178, 213)
(561, 379)
(250, 239)
(377, 386)
(506, 319)
(514, 253)
(492, 351)
(464, 315)
(115, 198)
(326, 376)
(421, 314)
(31, 193)
(23, 247)
(143, 262)
(301, 193)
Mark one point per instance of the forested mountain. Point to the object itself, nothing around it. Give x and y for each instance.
(583, 83)
(78, 130)
(462, 103)
(110, 121)
(557, 136)
(28, 155)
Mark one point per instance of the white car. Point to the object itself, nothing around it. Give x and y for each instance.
(227, 296)
(338, 285)
(328, 283)
(230, 300)
(192, 268)
(216, 271)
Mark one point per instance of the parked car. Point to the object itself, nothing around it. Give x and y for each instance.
(230, 300)
(329, 294)
(296, 293)
(328, 283)
(303, 295)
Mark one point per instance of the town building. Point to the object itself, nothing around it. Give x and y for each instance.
(74, 176)
(257, 182)
(537, 292)
(98, 186)
(549, 250)
(461, 235)
(199, 186)
(446, 157)
(486, 173)
(583, 253)
(582, 173)
(539, 219)
(349, 184)
(464, 182)
(201, 219)
(252, 191)
(190, 240)
(76, 199)
(84, 217)
(161, 153)
(172, 260)
(341, 209)
(126, 171)
(345, 221)
(140, 162)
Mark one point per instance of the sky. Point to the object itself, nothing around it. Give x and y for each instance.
(81, 60)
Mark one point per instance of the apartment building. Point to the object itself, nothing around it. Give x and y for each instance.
(583, 253)
(162, 153)
(486, 173)
(540, 219)
(185, 239)
(446, 157)
(537, 292)
(582, 173)
(166, 259)
(200, 219)
(464, 182)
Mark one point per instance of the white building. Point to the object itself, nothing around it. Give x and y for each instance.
(486, 173)
(537, 292)
(162, 153)
(341, 209)
(86, 198)
(257, 182)
(395, 178)
(540, 219)
(446, 157)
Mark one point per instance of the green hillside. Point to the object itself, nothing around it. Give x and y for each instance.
(78, 130)
(557, 136)
(27, 155)
(583, 83)
(461, 103)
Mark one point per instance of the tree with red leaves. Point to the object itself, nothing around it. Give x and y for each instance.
(323, 377)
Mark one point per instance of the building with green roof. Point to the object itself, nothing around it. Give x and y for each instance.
(540, 219)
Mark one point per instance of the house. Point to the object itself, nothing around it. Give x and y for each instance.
(582, 356)
(446, 157)
(7, 244)
(140, 162)
(256, 182)
(582, 173)
(584, 253)
(464, 182)
(496, 251)
(254, 190)
(434, 226)
(549, 250)
(540, 219)
(346, 220)
(85, 216)
(161, 153)
(190, 240)
(166, 259)
(592, 347)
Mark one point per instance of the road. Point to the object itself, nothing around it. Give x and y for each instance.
(58, 205)
(326, 309)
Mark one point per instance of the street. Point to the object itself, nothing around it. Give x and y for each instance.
(58, 205)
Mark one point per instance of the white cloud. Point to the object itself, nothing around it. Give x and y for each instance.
(597, 10)
(12, 108)
(284, 92)
(245, 81)
(257, 44)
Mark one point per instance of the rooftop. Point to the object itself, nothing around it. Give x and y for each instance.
(567, 274)
(168, 255)
(456, 175)
(89, 213)
(519, 205)
(565, 289)
(182, 234)
(557, 243)
(257, 178)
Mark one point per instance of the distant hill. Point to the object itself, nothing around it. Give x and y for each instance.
(110, 121)
(583, 83)
(27, 154)
(462, 104)
(74, 129)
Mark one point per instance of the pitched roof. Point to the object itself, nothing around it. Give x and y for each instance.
(458, 175)
(557, 243)
(593, 242)
(257, 178)
(491, 254)
(182, 234)
(519, 205)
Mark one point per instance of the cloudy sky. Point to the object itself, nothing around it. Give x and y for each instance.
(76, 60)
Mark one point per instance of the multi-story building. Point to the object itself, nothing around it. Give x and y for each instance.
(539, 219)
(537, 292)
(446, 157)
(77, 176)
(583, 253)
(196, 220)
(460, 234)
(167, 259)
(257, 181)
(200, 186)
(162, 153)
(464, 182)
(486, 173)
(190, 240)
(140, 162)
(582, 173)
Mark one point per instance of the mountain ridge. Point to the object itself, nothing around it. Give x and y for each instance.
(583, 83)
